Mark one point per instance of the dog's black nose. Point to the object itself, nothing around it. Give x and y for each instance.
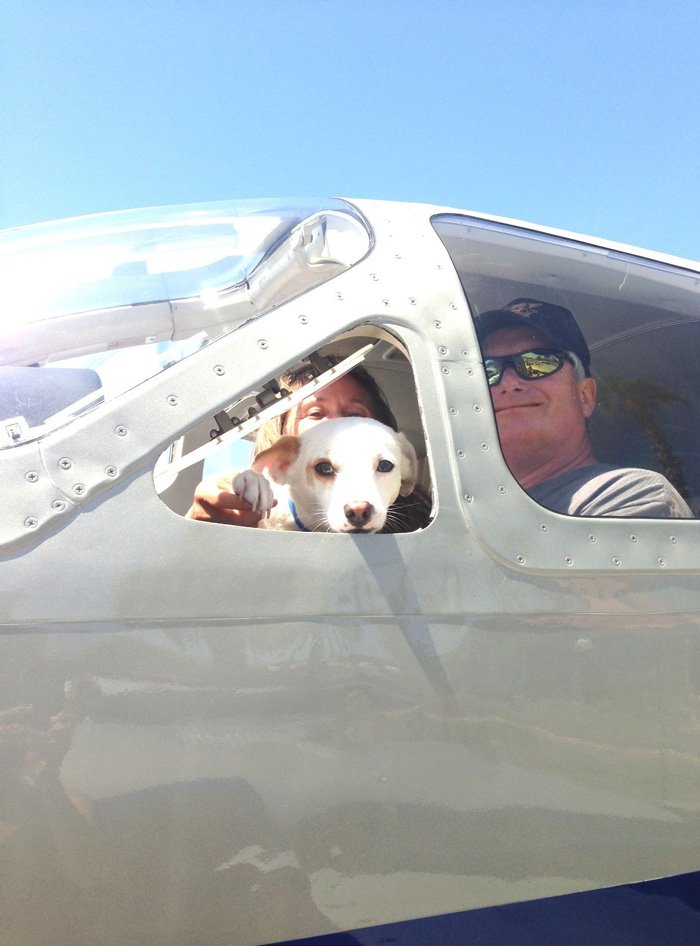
(358, 514)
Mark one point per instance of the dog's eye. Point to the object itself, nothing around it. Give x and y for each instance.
(324, 468)
(385, 466)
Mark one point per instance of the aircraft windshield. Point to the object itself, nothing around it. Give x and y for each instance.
(95, 305)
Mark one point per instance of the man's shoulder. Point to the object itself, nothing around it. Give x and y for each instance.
(606, 490)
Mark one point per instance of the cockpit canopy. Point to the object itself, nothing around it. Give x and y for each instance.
(95, 305)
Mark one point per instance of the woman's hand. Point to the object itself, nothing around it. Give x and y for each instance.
(215, 501)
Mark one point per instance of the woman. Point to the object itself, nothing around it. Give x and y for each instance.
(356, 394)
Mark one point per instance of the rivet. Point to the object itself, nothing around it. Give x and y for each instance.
(592, 538)
(219, 369)
(442, 350)
(520, 559)
(484, 446)
(477, 408)
(262, 343)
(79, 489)
(673, 539)
(445, 370)
(662, 562)
(111, 470)
(453, 410)
(385, 302)
(339, 296)
(31, 522)
(303, 320)
(172, 400)
(58, 505)
(502, 490)
(31, 476)
(120, 431)
(453, 305)
(468, 497)
(65, 463)
(373, 277)
(470, 371)
(633, 538)
(568, 559)
(460, 453)
(616, 562)
(412, 300)
(544, 527)
(437, 324)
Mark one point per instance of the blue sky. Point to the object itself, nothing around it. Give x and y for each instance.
(580, 115)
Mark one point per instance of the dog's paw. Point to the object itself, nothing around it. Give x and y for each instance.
(254, 489)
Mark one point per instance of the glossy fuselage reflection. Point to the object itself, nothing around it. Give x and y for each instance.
(215, 735)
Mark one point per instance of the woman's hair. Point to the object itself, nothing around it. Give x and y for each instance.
(272, 430)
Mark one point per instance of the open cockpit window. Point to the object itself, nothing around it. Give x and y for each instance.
(363, 378)
(96, 305)
(639, 317)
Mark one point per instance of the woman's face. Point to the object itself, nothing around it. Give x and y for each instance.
(344, 398)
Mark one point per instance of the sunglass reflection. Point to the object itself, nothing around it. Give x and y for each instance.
(529, 365)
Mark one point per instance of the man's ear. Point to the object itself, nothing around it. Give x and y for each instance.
(277, 459)
(588, 390)
(409, 465)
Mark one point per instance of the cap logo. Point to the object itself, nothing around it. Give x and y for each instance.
(526, 309)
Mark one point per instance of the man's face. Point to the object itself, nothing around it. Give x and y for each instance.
(541, 423)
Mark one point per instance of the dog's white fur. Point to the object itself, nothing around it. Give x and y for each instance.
(342, 475)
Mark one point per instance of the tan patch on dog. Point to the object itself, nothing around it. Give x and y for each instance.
(277, 458)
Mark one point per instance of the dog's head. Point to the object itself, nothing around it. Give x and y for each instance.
(343, 474)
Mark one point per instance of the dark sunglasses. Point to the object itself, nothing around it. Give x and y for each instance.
(529, 365)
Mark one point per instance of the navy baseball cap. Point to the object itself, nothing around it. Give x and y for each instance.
(554, 322)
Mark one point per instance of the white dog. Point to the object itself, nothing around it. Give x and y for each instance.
(342, 475)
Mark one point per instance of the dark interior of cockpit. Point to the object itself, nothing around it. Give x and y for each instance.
(641, 319)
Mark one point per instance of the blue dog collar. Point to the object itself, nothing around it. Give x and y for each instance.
(300, 524)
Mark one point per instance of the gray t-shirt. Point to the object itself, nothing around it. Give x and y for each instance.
(604, 490)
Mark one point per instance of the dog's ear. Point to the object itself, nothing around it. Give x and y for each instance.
(278, 458)
(409, 465)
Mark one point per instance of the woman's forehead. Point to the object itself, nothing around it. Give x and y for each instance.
(346, 389)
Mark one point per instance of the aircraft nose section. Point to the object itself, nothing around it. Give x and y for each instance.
(358, 514)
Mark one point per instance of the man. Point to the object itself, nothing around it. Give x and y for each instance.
(538, 366)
